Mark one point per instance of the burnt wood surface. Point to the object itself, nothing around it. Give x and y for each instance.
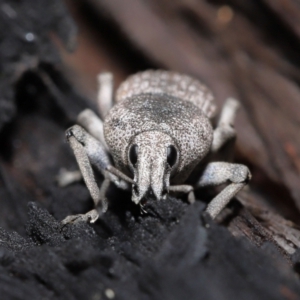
(50, 54)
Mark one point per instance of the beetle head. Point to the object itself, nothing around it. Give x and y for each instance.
(152, 158)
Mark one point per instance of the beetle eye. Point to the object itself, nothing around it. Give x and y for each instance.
(133, 154)
(171, 155)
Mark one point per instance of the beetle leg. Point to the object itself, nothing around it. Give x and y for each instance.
(100, 203)
(217, 173)
(184, 188)
(89, 151)
(225, 130)
(105, 93)
(87, 173)
(97, 156)
(93, 124)
(65, 177)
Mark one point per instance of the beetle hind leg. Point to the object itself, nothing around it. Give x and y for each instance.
(105, 93)
(225, 131)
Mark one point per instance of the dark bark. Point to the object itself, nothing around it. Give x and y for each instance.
(245, 49)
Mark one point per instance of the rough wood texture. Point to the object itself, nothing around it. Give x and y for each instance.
(243, 49)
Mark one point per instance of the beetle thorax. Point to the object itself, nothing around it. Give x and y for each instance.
(178, 119)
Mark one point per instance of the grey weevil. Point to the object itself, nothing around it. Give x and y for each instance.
(157, 133)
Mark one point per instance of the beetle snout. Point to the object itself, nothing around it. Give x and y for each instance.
(141, 197)
(150, 195)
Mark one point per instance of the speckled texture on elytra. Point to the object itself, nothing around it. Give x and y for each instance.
(155, 107)
(170, 83)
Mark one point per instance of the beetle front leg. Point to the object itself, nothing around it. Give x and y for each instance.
(97, 195)
(217, 173)
(184, 188)
(89, 151)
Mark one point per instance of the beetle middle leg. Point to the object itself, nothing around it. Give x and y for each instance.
(217, 173)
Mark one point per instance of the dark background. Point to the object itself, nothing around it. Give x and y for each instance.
(50, 54)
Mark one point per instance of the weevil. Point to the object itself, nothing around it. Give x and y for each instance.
(157, 132)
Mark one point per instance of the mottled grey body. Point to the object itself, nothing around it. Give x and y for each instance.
(176, 109)
(157, 133)
(185, 123)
